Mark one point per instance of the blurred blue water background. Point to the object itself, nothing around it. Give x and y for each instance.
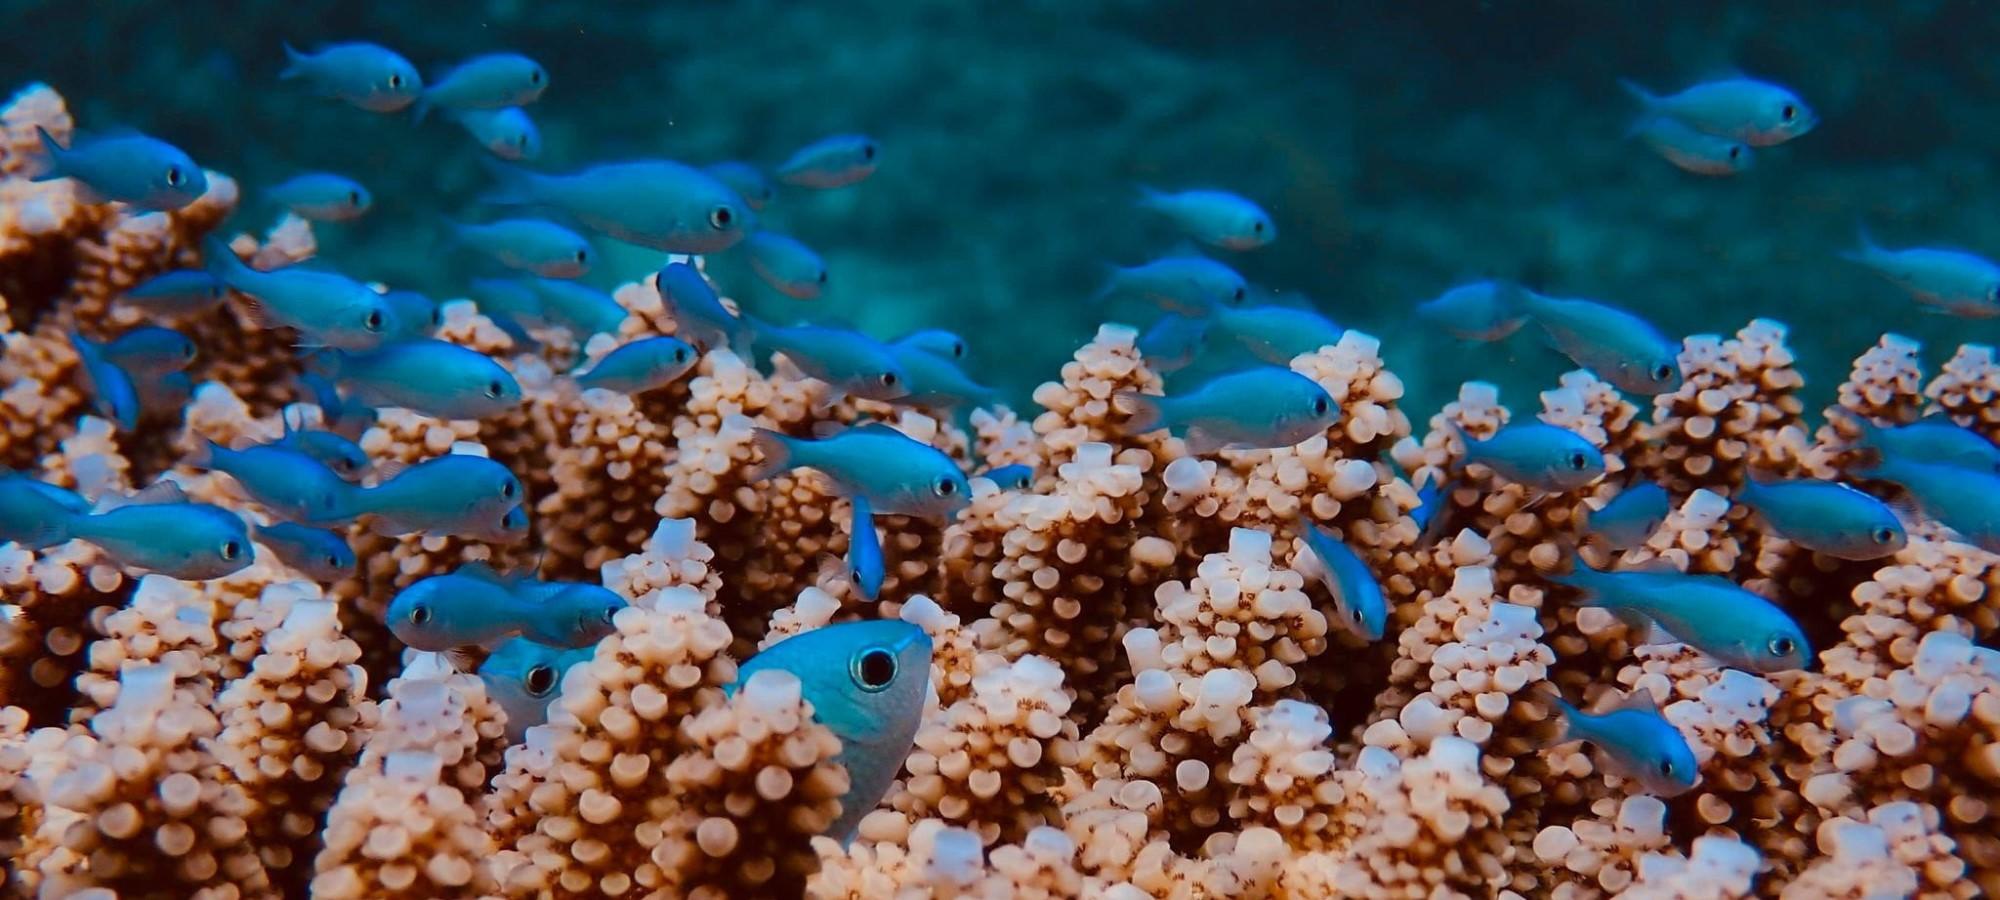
(1400, 147)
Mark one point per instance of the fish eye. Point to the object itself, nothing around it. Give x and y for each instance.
(374, 320)
(888, 379)
(1355, 614)
(1578, 461)
(958, 349)
(494, 390)
(944, 487)
(582, 256)
(822, 276)
(508, 488)
(721, 217)
(680, 354)
(874, 669)
(1319, 406)
(437, 317)
(333, 562)
(540, 680)
(1663, 372)
(174, 176)
(1735, 151)
(1884, 535)
(1782, 646)
(420, 615)
(395, 80)
(868, 152)
(231, 550)
(1789, 113)
(354, 198)
(608, 613)
(1667, 767)
(535, 77)
(1257, 226)
(521, 141)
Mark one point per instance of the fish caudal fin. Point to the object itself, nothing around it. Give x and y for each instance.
(1554, 728)
(776, 450)
(1146, 413)
(47, 165)
(295, 63)
(1648, 101)
(514, 186)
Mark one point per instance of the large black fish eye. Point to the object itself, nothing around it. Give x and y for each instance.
(888, 379)
(535, 77)
(1789, 113)
(1884, 535)
(822, 276)
(1355, 614)
(494, 389)
(1319, 406)
(420, 615)
(868, 152)
(1257, 226)
(958, 348)
(1782, 646)
(1663, 372)
(374, 320)
(174, 176)
(1578, 461)
(609, 612)
(721, 217)
(521, 141)
(1735, 151)
(540, 680)
(333, 562)
(1667, 767)
(582, 256)
(874, 669)
(354, 198)
(507, 489)
(680, 354)
(945, 487)
(437, 316)
(395, 80)
(231, 550)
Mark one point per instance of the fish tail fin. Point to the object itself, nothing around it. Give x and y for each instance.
(294, 63)
(514, 186)
(1648, 101)
(1146, 413)
(776, 450)
(1554, 729)
(1869, 440)
(421, 108)
(206, 454)
(222, 262)
(1865, 250)
(47, 166)
(1111, 277)
(1148, 196)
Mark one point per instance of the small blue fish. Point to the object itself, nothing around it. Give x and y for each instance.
(430, 376)
(1536, 454)
(164, 395)
(364, 75)
(1932, 440)
(343, 456)
(790, 267)
(178, 293)
(1430, 502)
(1693, 151)
(898, 476)
(145, 172)
(1173, 342)
(1357, 597)
(1631, 517)
(346, 417)
(746, 180)
(1277, 334)
(934, 382)
(188, 541)
(507, 132)
(864, 551)
(446, 612)
(1217, 218)
(1480, 311)
(658, 204)
(1949, 281)
(416, 315)
(290, 484)
(455, 494)
(1754, 112)
(529, 245)
(1966, 501)
(1017, 477)
(936, 341)
(150, 350)
(1259, 408)
(491, 81)
(1617, 346)
(1189, 285)
(698, 313)
(112, 394)
(34, 513)
(317, 553)
(523, 676)
(1707, 612)
(509, 298)
(1632, 739)
(568, 614)
(866, 682)
(328, 309)
(851, 362)
(322, 197)
(831, 162)
(582, 309)
(640, 366)
(1826, 517)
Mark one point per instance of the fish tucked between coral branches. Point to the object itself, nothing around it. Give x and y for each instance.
(640, 366)
(698, 314)
(112, 393)
(1932, 440)
(433, 377)
(1277, 334)
(897, 475)
(150, 350)
(524, 676)
(145, 172)
(1537, 455)
(1617, 346)
(1357, 596)
(1826, 517)
(1707, 612)
(1632, 739)
(1261, 408)
(317, 553)
(328, 309)
(1631, 517)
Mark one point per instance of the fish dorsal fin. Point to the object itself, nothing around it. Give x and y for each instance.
(1658, 565)
(157, 493)
(829, 428)
(481, 571)
(1637, 700)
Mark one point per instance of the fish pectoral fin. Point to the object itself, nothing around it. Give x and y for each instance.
(464, 659)
(1201, 443)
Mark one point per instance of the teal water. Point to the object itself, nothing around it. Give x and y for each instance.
(1399, 147)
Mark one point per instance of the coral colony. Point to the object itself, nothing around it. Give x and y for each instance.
(1139, 683)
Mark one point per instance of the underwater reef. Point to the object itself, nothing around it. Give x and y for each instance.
(1140, 684)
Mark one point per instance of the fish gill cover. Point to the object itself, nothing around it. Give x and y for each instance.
(436, 441)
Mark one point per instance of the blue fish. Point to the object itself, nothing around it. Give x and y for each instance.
(1189, 285)
(1826, 517)
(1964, 500)
(1632, 739)
(569, 614)
(746, 180)
(1217, 218)
(1933, 440)
(788, 266)
(34, 513)
(131, 168)
(446, 612)
(164, 395)
(529, 245)
(188, 541)
(849, 361)
(1480, 311)
(934, 382)
(1691, 150)
(433, 377)
(367, 76)
(416, 315)
(1617, 346)
(1259, 408)
(864, 551)
(112, 394)
(1017, 477)
(523, 676)
(830, 162)
(456, 494)
(1707, 612)
(150, 350)
(343, 416)
(657, 203)
(322, 197)
(1949, 281)
(1277, 334)
(491, 81)
(936, 341)
(290, 484)
(343, 456)
(1430, 502)
(898, 476)
(1357, 596)
(640, 366)
(178, 293)
(507, 133)
(327, 308)
(1631, 517)
(509, 298)
(1755, 112)
(866, 682)
(582, 309)
(697, 311)
(1536, 454)
(317, 553)
(1173, 342)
